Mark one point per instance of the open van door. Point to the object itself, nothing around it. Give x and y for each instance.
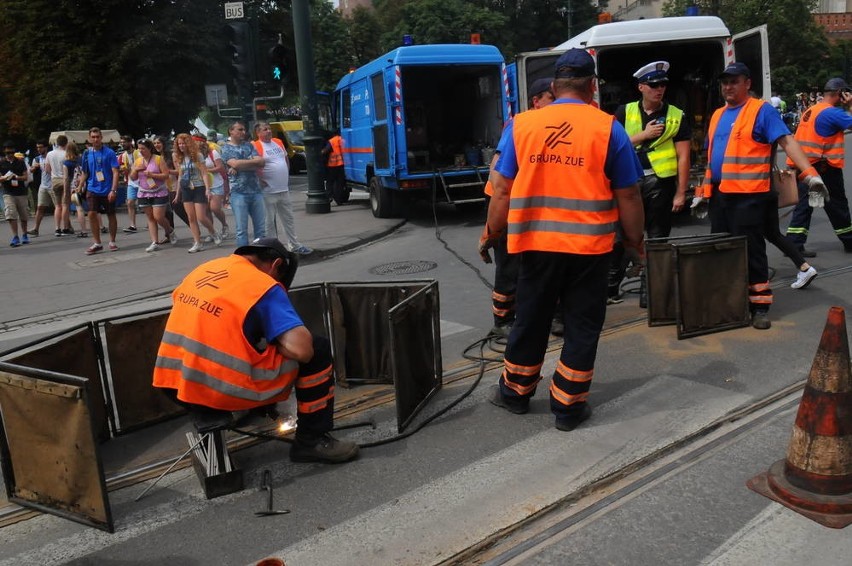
(530, 67)
(752, 48)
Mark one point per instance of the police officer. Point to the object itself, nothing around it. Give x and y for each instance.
(661, 137)
(567, 174)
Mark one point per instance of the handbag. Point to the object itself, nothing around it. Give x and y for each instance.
(784, 183)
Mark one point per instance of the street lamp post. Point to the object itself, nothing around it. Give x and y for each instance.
(317, 202)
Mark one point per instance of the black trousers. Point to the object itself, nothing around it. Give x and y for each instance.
(657, 197)
(744, 214)
(837, 209)
(506, 267)
(579, 282)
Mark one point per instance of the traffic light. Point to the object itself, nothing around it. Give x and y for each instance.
(239, 41)
(278, 62)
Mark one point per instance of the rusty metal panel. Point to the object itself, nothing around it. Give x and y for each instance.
(360, 333)
(76, 353)
(310, 302)
(131, 346)
(48, 449)
(711, 286)
(415, 343)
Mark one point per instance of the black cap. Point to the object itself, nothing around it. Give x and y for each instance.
(263, 244)
(736, 69)
(835, 84)
(574, 63)
(539, 86)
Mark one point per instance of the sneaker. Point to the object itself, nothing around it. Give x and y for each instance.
(130, 230)
(225, 233)
(82, 234)
(196, 247)
(614, 301)
(67, 231)
(94, 248)
(57, 233)
(806, 253)
(760, 320)
(104, 230)
(208, 239)
(217, 239)
(518, 407)
(32, 232)
(25, 239)
(326, 449)
(804, 278)
(113, 247)
(173, 237)
(153, 247)
(568, 423)
(16, 241)
(303, 250)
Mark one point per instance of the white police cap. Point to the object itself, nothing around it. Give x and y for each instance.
(653, 72)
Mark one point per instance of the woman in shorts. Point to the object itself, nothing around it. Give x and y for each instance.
(218, 192)
(150, 172)
(194, 189)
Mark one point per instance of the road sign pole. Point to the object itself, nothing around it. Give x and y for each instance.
(317, 202)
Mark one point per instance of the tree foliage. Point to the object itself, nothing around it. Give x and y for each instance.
(799, 54)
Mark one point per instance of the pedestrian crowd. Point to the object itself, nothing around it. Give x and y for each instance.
(193, 177)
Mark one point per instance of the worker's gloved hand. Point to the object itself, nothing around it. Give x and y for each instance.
(487, 241)
(634, 256)
(817, 192)
(700, 207)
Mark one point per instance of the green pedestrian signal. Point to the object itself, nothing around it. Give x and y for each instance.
(278, 60)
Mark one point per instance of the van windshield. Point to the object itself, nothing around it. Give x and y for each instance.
(296, 136)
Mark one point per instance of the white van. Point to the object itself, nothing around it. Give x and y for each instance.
(697, 47)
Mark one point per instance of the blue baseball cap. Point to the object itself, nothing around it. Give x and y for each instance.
(574, 63)
(539, 86)
(736, 69)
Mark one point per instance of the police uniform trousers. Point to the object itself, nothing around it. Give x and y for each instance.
(506, 267)
(579, 282)
(836, 207)
(744, 214)
(657, 197)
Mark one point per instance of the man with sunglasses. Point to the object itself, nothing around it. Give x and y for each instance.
(13, 172)
(234, 342)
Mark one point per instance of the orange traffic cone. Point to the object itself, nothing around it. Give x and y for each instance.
(816, 478)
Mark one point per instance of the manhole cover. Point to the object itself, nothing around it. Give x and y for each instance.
(403, 267)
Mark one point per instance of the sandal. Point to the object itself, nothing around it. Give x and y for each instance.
(82, 234)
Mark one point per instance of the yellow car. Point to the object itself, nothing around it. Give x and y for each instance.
(292, 133)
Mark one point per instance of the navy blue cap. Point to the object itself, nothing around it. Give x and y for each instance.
(835, 84)
(574, 63)
(736, 69)
(261, 244)
(538, 87)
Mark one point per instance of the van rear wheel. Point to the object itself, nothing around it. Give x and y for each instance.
(381, 199)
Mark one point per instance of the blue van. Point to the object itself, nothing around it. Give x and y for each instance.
(422, 120)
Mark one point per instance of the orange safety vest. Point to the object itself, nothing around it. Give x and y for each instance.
(204, 354)
(335, 158)
(561, 199)
(815, 146)
(258, 145)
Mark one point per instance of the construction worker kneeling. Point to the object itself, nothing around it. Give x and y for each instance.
(233, 342)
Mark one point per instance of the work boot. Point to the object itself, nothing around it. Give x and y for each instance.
(806, 253)
(760, 320)
(568, 423)
(501, 330)
(557, 327)
(322, 448)
(518, 407)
